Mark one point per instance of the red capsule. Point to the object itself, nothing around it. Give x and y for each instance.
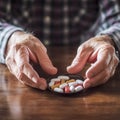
(67, 89)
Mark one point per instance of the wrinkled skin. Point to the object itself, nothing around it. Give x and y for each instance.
(100, 53)
(23, 48)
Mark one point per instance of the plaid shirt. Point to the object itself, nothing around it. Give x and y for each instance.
(59, 22)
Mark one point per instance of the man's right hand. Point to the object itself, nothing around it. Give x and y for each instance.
(23, 48)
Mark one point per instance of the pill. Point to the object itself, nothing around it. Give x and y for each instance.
(63, 85)
(59, 90)
(79, 81)
(72, 83)
(78, 85)
(72, 88)
(55, 86)
(57, 82)
(67, 89)
(64, 77)
(62, 81)
(78, 88)
(55, 79)
(71, 80)
(51, 83)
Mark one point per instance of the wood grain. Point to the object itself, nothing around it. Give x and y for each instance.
(20, 102)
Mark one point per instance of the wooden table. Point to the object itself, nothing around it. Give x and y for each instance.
(20, 102)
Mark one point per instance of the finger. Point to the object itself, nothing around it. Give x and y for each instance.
(93, 57)
(79, 61)
(33, 77)
(99, 79)
(32, 56)
(25, 80)
(22, 61)
(103, 60)
(45, 62)
(103, 76)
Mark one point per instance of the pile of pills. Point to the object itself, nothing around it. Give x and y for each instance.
(65, 84)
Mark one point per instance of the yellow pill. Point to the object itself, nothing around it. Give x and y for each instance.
(55, 86)
(62, 81)
(71, 80)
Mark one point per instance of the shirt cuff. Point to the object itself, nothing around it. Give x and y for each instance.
(5, 34)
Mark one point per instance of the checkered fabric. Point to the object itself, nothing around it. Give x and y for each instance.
(59, 22)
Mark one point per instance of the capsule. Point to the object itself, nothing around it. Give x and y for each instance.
(72, 89)
(72, 83)
(55, 79)
(78, 88)
(62, 81)
(64, 77)
(67, 89)
(79, 81)
(71, 80)
(55, 86)
(51, 83)
(63, 85)
(59, 90)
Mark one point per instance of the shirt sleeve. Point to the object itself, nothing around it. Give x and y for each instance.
(6, 31)
(110, 20)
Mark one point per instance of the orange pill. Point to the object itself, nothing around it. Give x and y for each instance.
(71, 80)
(55, 86)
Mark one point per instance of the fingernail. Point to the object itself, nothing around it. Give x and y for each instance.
(43, 84)
(34, 80)
(87, 85)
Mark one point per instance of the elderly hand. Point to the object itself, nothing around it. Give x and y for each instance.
(23, 48)
(100, 52)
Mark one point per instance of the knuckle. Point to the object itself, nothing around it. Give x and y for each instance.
(22, 66)
(16, 46)
(109, 48)
(81, 48)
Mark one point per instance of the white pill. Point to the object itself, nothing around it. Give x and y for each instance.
(55, 80)
(72, 88)
(51, 83)
(59, 90)
(78, 88)
(64, 77)
(63, 85)
(79, 81)
(72, 83)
